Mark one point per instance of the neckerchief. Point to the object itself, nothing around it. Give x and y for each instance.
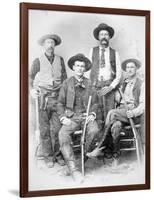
(79, 82)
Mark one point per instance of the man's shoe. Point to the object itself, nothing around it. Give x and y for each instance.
(49, 162)
(60, 161)
(40, 164)
(77, 176)
(115, 161)
(96, 152)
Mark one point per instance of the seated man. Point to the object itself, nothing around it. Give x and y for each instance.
(133, 95)
(72, 105)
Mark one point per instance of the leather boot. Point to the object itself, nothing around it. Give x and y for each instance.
(49, 161)
(76, 174)
(115, 162)
(69, 157)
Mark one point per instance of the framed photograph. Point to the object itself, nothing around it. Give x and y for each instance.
(84, 99)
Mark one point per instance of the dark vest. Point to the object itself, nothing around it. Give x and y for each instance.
(136, 90)
(70, 97)
(95, 63)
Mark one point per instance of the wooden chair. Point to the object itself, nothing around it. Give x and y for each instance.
(128, 141)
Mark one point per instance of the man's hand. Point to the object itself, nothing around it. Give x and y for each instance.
(105, 90)
(66, 121)
(129, 114)
(34, 93)
(90, 118)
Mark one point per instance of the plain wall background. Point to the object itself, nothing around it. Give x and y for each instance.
(76, 32)
(9, 101)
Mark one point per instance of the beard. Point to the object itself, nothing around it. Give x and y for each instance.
(104, 42)
(50, 50)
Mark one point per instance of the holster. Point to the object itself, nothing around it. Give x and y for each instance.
(44, 95)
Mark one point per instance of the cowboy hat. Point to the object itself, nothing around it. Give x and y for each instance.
(56, 38)
(103, 26)
(79, 57)
(135, 61)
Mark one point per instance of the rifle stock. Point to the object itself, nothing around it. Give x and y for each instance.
(83, 135)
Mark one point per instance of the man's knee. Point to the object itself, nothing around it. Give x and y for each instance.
(115, 129)
(112, 113)
(64, 135)
(111, 116)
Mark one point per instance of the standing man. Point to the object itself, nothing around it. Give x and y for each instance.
(106, 67)
(133, 94)
(46, 77)
(72, 105)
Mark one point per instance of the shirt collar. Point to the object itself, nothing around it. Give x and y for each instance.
(106, 49)
(130, 81)
(49, 57)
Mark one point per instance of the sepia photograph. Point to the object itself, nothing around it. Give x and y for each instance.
(86, 113)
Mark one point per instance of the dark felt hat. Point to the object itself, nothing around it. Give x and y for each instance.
(80, 57)
(56, 38)
(124, 63)
(103, 26)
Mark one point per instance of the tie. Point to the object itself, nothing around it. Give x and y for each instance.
(102, 58)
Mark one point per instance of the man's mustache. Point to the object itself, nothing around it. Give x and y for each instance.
(50, 48)
(104, 40)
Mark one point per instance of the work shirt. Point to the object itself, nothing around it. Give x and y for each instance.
(130, 99)
(105, 72)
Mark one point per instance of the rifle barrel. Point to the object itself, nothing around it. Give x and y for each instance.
(135, 132)
(84, 133)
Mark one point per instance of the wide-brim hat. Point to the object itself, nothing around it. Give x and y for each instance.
(80, 57)
(137, 63)
(56, 38)
(103, 26)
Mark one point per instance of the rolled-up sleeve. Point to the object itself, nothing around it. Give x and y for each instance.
(141, 107)
(117, 79)
(35, 68)
(90, 54)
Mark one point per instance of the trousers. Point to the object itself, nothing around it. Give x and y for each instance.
(49, 128)
(65, 138)
(115, 118)
(106, 102)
